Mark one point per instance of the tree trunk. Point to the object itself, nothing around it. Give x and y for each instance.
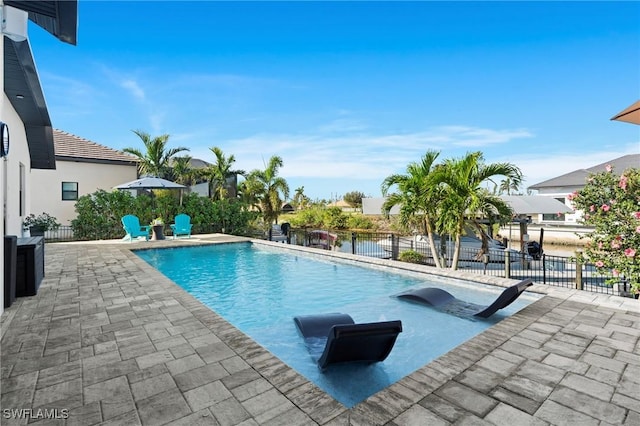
(432, 245)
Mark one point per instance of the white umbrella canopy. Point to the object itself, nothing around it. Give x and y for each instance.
(630, 115)
(150, 182)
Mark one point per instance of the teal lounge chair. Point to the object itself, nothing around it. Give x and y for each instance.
(182, 226)
(132, 227)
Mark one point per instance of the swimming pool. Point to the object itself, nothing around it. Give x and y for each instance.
(260, 290)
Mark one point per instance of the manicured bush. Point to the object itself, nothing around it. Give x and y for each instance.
(411, 256)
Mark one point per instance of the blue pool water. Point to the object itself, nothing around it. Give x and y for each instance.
(260, 290)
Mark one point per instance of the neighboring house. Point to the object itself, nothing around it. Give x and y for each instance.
(202, 186)
(82, 167)
(373, 207)
(343, 205)
(23, 108)
(287, 208)
(560, 187)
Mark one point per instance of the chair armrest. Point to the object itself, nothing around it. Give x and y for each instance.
(145, 228)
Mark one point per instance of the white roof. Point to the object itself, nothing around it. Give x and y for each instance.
(535, 204)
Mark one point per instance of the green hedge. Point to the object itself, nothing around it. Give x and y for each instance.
(99, 214)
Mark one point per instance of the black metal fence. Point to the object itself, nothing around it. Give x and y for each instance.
(545, 269)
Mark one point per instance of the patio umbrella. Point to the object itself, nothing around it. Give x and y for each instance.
(150, 182)
(630, 115)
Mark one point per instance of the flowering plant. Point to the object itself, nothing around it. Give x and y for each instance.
(43, 220)
(157, 221)
(611, 204)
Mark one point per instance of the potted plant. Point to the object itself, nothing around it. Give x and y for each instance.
(38, 225)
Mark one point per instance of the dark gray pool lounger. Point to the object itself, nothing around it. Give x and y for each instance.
(345, 341)
(444, 300)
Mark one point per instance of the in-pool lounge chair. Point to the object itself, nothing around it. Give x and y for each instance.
(445, 301)
(181, 226)
(132, 227)
(336, 338)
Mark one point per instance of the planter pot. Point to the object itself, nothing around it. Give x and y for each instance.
(37, 231)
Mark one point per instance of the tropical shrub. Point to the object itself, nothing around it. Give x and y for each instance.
(308, 218)
(611, 204)
(411, 256)
(358, 221)
(99, 214)
(334, 218)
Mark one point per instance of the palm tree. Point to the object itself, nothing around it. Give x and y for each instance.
(508, 184)
(268, 190)
(156, 159)
(299, 199)
(219, 173)
(416, 196)
(183, 173)
(466, 198)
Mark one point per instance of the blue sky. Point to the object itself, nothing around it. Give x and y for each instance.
(348, 93)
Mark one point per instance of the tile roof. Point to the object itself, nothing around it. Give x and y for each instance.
(579, 177)
(72, 147)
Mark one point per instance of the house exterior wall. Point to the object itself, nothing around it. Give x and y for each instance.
(3, 179)
(10, 171)
(18, 155)
(561, 192)
(201, 189)
(46, 194)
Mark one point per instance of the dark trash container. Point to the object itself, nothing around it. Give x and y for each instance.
(10, 255)
(29, 266)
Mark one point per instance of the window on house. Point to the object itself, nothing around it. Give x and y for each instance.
(69, 191)
(559, 217)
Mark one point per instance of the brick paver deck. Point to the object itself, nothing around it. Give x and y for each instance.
(109, 340)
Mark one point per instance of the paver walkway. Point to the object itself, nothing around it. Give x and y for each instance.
(109, 340)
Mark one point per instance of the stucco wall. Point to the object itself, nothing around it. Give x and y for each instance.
(18, 154)
(46, 194)
(10, 177)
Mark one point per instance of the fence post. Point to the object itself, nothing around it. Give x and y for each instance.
(579, 285)
(544, 268)
(395, 247)
(507, 263)
(353, 243)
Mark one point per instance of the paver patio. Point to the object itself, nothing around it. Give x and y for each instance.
(110, 340)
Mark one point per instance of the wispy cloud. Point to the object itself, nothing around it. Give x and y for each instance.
(134, 89)
(356, 155)
(477, 137)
